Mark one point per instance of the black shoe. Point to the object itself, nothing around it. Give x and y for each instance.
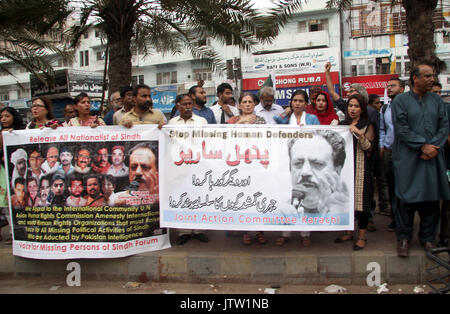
(443, 242)
(201, 237)
(385, 212)
(183, 239)
(391, 227)
(403, 248)
(371, 226)
(428, 246)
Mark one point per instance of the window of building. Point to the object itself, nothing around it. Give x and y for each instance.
(398, 68)
(370, 67)
(354, 70)
(202, 74)
(4, 96)
(134, 81)
(163, 78)
(84, 58)
(97, 33)
(318, 25)
(141, 79)
(361, 69)
(302, 27)
(383, 65)
(312, 26)
(101, 55)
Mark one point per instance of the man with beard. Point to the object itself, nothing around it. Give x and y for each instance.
(66, 157)
(267, 107)
(142, 112)
(94, 197)
(101, 164)
(394, 87)
(126, 96)
(75, 186)
(57, 196)
(184, 104)
(51, 163)
(44, 191)
(421, 130)
(199, 108)
(83, 160)
(143, 178)
(19, 160)
(222, 110)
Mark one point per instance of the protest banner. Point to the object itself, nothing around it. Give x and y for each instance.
(79, 192)
(257, 177)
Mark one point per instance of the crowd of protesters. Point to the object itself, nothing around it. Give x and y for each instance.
(400, 148)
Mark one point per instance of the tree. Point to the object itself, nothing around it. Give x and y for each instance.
(172, 26)
(31, 34)
(420, 29)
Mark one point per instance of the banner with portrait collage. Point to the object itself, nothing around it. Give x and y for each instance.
(81, 192)
(258, 177)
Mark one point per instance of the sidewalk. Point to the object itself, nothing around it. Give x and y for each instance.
(225, 260)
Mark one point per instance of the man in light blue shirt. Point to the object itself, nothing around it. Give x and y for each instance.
(395, 87)
(267, 107)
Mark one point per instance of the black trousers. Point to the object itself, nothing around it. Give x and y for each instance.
(389, 176)
(445, 217)
(429, 213)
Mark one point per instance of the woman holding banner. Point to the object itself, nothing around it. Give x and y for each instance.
(83, 107)
(41, 109)
(363, 132)
(247, 103)
(296, 114)
(323, 109)
(10, 120)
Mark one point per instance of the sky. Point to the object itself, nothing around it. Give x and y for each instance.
(311, 4)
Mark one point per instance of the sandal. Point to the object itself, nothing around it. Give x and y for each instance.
(261, 238)
(306, 241)
(247, 239)
(344, 238)
(360, 244)
(281, 241)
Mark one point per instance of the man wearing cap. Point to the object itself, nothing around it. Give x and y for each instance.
(19, 159)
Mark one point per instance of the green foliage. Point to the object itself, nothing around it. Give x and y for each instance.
(171, 26)
(32, 34)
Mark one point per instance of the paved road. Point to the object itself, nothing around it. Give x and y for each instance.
(52, 286)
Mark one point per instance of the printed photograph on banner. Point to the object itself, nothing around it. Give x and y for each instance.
(257, 178)
(90, 192)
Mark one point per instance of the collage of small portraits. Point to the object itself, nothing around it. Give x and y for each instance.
(79, 174)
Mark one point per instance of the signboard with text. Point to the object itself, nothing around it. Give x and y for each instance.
(259, 177)
(79, 192)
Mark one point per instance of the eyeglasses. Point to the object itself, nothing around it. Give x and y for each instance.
(37, 106)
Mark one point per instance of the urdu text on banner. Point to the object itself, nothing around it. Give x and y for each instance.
(262, 178)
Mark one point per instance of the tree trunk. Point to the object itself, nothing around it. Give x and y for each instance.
(119, 70)
(420, 28)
